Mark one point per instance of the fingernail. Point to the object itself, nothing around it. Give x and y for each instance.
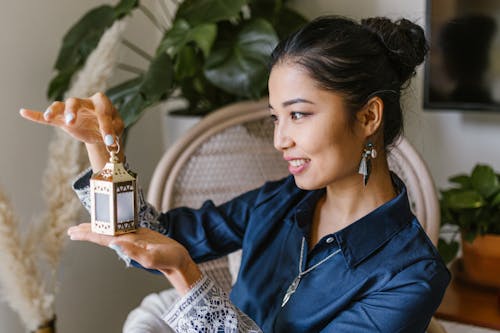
(21, 111)
(109, 140)
(46, 114)
(68, 117)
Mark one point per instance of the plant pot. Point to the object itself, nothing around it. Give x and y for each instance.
(481, 260)
(176, 124)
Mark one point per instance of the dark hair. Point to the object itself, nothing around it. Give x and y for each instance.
(359, 60)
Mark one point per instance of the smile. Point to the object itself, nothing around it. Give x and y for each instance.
(298, 165)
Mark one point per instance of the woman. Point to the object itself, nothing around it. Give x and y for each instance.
(324, 250)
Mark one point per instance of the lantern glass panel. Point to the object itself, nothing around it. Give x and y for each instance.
(102, 212)
(125, 206)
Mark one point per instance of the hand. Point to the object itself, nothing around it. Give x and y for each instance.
(90, 120)
(151, 249)
(94, 121)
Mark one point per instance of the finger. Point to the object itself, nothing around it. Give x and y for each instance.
(72, 105)
(118, 124)
(54, 112)
(39, 117)
(105, 113)
(33, 115)
(83, 232)
(72, 108)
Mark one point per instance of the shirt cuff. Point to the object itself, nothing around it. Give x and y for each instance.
(207, 307)
(81, 186)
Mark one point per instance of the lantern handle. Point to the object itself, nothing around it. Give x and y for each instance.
(111, 151)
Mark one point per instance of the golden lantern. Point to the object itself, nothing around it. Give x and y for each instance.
(113, 198)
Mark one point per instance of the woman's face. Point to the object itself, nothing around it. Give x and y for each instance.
(312, 129)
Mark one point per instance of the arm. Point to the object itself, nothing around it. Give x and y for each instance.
(208, 232)
(202, 303)
(207, 306)
(405, 304)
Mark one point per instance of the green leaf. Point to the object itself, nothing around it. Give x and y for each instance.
(123, 92)
(132, 110)
(241, 68)
(182, 33)
(284, 20)
(84, 36)
(60, 83)
(463, 180)
(125, 7)
(464, 200)
(496, 200)
(209, 11)
(448, 251)
(155, 85)
(158, 79)
(187, 64)
(484, 180)
(79, 42)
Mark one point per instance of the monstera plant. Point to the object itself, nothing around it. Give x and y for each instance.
(214, 52)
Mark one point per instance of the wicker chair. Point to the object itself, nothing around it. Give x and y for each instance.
(230, 152)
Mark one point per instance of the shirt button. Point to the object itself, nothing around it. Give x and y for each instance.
(330, 240)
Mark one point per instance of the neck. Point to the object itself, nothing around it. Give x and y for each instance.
(348, 200)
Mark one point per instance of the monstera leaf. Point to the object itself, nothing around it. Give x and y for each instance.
(209, 11)
(133, 96)
(241, 68)
(82, 38)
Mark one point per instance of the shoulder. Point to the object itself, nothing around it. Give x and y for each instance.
(416, 260)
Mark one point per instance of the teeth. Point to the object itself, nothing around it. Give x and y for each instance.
(297, 163)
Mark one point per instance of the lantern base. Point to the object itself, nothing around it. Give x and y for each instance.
(106, 228)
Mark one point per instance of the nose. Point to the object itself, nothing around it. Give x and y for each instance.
(282, 138)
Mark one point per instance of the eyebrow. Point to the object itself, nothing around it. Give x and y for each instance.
(293, 101)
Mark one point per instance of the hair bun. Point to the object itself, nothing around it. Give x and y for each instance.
(404, 40)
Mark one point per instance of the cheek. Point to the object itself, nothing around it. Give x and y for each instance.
(336, 149)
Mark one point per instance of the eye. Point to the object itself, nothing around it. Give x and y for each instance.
(274, 118)
(298, 115)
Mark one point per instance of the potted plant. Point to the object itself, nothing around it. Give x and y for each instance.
(470, 210)
(213, 53)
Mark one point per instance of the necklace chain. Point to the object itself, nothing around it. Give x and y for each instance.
(295, 283)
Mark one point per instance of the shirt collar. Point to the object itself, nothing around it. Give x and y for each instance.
(361, 238)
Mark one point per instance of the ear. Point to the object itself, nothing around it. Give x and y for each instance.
(370, 116)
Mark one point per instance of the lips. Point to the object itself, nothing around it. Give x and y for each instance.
(297, 165)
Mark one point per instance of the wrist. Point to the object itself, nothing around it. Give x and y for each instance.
(185, 277)
(98, 155)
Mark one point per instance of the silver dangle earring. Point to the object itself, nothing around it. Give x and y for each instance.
(365, 166)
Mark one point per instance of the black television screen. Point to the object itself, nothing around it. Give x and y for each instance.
(463, 67)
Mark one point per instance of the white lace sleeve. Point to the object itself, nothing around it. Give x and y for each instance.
(206, 308)
(148, 215)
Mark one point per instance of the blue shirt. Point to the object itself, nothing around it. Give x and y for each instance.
(387, 276)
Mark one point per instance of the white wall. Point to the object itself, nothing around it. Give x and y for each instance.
(450, 141)
(96, 291)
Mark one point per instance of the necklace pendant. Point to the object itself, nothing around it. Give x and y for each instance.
(291, 289)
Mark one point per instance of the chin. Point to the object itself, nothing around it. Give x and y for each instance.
(307, 184)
